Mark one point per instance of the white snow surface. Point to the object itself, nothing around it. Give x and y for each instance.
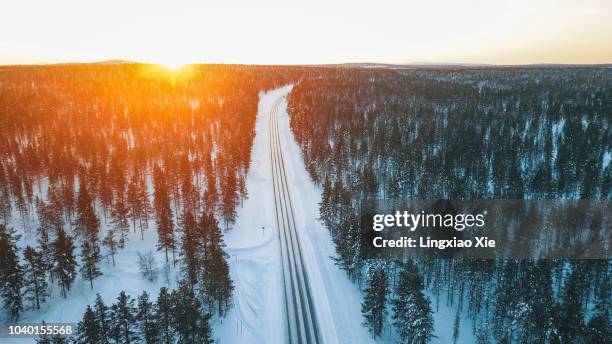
(125, 275)
(258, 313)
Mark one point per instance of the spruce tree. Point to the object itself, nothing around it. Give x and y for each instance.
(211, 195)
(46, 251)
(163, 213)
(228, 198)
(11, 273)
(165, 320)
(5, 196)
(88, 331)
(598, 330)
(216, 282)
(144, 206)
(190, 247)
(111, 243)
(90, 257)
(456, 324)
(65, 264)
(204, 333)
(374, 303)
(147, 324)
(101, 314)
(412, 313)
(242, 189)
(325, 206)
(87, 224)
(120, 222)
(190, 325)
(122, 319)
(133, 200)
(44, 338)
(570, 324)
(49, 214)
(35, 281)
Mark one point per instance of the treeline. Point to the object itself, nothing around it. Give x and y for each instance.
(89, 153)
(174, 317)
(502, 133)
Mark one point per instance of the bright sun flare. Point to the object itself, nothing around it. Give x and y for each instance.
(175, 66)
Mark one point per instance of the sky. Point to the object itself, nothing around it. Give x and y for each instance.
(306, 31)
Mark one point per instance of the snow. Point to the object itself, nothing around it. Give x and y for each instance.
(444, 318)
(124, 276)
(258, 313)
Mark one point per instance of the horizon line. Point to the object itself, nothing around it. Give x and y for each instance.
(407, 64)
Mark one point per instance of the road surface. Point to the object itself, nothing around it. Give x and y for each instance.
(301, 326)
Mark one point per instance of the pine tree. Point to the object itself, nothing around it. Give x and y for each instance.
(5, 196)
(163, 213)
(189, 328)
(570, 323)
(65, 264)
(190, 248)
(87, 224)
(105, 192)
(11, 273)
(88, 331)
(325, 206)
(228, 198)
(211, 194)
(374, 303)
(216, 282)
(411, 310)
(35, 280)
(59, 339)
(598, 329)
(204, 334)
(46, 251)
(242, 189)
(90, 257)
(163, 310)
(120, 222)
(44, 338)
(55, 339)
(456, 324)
(111, 243)
(67, 196)
(101, 314)
(133, 200)
(147, 323)
(49, 214)
(144, 203)
(122, 319)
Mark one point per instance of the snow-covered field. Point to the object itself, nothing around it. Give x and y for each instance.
(125, 275)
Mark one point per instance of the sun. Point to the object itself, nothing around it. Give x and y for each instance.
(171, 71)
(173, 65)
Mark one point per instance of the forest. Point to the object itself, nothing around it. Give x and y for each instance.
(462, 134)
(92, 152)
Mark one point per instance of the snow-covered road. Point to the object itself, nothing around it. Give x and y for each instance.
(259, 314)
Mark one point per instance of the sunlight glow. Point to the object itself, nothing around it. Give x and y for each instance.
(172, 73)
(173, 65)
